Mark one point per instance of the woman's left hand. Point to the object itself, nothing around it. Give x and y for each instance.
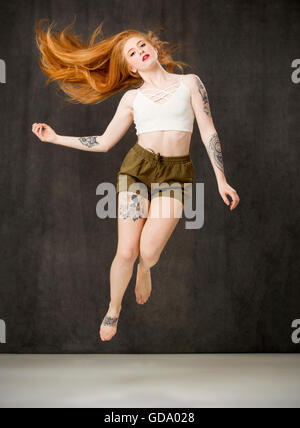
(225, 190)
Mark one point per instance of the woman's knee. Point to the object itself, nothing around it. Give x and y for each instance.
(149, 254)
(127, 255)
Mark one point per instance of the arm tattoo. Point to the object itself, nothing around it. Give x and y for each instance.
(89, 141)
(204, 96)
(215, 152)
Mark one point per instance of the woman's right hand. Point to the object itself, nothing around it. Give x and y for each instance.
(44, 132)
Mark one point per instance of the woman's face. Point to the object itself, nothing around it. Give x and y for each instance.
(135, 50)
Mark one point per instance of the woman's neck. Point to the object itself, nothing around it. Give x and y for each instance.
(156, 75)
(158, 82)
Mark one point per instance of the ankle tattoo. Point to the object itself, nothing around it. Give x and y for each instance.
(110, 321)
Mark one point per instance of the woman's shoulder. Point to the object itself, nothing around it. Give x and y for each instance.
(129, 97)
(191, 80)
(194, 82)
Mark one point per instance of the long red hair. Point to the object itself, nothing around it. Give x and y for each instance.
(90, 73)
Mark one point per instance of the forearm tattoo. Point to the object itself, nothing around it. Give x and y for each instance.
(133, 208)
(215, 152)
(204, 96)
(89, 141)
(109, 321)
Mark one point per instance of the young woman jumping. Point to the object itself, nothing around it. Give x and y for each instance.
(163, 106)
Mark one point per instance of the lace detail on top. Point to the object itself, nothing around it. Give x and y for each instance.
(161, 96)
(168, 109)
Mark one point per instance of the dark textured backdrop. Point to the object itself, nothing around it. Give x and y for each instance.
(231, 286)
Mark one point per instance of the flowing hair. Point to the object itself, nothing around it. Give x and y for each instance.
(90, 73)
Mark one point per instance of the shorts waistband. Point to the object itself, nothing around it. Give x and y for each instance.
(151, 155)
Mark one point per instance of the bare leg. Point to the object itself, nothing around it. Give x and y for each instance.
(132, 214)
(157, 230)
(143, 286)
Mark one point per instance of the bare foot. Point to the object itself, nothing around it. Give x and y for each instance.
(143, 285)
(108, 328)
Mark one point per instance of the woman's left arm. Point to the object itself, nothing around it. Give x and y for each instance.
(210, 138)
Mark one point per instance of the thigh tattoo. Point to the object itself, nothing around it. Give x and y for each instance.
(133, 208)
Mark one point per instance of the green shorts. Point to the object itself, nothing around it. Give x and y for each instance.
(150, 174)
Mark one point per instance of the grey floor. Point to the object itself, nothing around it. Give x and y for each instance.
(175, 380)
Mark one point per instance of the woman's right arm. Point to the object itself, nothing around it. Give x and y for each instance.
(117, 128)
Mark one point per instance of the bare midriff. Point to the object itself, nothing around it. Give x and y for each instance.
(167, 143)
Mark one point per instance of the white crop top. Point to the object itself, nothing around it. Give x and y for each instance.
(167, 109)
